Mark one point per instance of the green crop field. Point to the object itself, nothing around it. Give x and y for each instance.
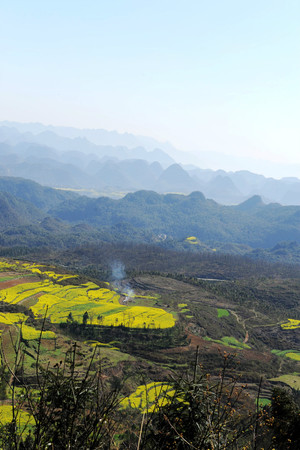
(264, 402)
(292, 380)
(222, 312)
(229, 341)
(292, 354)
(2, 279)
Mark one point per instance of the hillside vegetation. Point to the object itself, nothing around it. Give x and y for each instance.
(152, 325)
(34, 216)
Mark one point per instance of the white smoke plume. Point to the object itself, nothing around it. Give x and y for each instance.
(118, 271)
(118, 275)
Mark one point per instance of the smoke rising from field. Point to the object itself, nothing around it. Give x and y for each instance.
(118, 271)
(118, 275)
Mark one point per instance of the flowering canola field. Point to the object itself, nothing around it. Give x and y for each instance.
(57, 302)
(28, 333)
(11, 318)
(292, 354)
(292, 324)
(148, 397)
(23, 417)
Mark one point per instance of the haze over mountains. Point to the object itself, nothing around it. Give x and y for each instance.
(99, 162)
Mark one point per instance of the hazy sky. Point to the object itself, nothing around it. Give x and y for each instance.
(220, 76)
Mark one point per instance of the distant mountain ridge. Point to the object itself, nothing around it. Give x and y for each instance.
(13, 136)
(71, 161)
(96, 136)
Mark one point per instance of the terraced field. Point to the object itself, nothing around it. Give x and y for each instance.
(68, 302)
(292, 380)
(292, 354)
(148, 397)
(216, 318)
(292, 324)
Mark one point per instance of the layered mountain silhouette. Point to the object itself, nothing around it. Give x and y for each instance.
(98, 162)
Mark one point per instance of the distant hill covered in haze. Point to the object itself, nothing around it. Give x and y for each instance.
(98, 162)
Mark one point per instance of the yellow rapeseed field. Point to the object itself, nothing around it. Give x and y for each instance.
(29, 333)
(292, 355)
(6, 416)
(10, 318)
(101, 304)
(147, 398)
(4, 265)
(35, 269)
(292, 324)
(192, 240)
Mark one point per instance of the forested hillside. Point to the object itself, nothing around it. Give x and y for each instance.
(179, 217)
(33, 215)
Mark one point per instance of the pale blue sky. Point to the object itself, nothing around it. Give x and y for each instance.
(210, 75)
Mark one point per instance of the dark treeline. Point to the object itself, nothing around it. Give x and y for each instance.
(137, 341)
(95, 260)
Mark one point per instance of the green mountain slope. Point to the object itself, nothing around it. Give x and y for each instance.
(30, 191)
(178, 216)
(33, 215)
(14, 212)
